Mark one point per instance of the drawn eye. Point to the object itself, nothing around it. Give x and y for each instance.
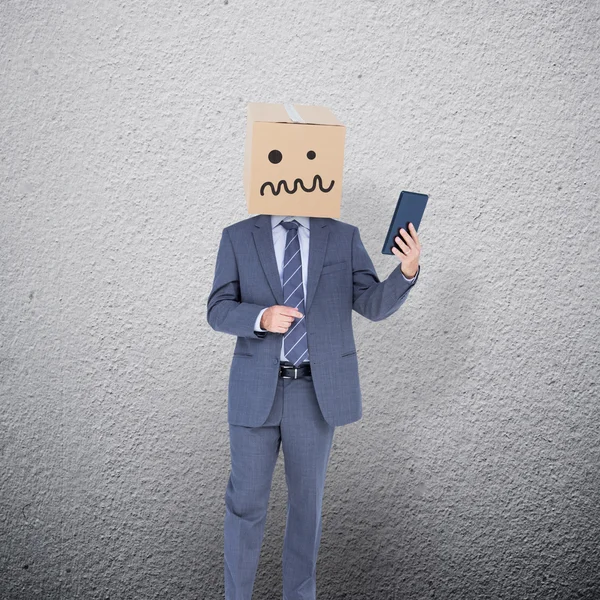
(275, 156)
(311, 154)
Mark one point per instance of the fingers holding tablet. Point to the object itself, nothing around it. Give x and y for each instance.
(409, 252)
(409, 238)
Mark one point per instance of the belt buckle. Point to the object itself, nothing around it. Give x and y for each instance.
(295, 373)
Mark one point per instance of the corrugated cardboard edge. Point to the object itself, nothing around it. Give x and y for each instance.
(248, 153)
(266, 112)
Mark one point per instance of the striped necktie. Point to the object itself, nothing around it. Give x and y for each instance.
(295, 343)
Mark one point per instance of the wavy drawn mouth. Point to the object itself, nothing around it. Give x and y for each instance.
(297, 182)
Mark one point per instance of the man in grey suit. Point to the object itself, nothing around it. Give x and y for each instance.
(286, 288)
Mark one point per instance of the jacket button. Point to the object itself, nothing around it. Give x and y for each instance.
(275, 361)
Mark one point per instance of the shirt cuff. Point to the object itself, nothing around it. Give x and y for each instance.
(412, 278)
(257, 326)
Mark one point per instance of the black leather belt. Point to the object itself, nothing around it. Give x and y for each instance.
(288, 371)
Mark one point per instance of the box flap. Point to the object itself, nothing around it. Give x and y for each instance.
(291, 113)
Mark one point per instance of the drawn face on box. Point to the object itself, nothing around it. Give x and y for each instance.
(297, 169)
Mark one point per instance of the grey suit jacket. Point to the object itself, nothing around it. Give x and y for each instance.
(341, 278)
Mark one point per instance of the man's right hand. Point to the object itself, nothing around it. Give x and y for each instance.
(278, 318)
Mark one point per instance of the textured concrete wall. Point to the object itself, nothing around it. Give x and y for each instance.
(474, 471)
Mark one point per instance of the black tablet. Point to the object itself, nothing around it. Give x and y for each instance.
(409, 209)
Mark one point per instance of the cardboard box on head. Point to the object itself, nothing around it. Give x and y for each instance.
(294, 160)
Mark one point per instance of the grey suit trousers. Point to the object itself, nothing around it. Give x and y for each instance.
(296, 423)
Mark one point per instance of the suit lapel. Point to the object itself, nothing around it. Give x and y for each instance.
(263, 239)
(319, 234)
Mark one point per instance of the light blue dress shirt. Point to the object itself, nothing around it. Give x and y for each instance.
(279, 239)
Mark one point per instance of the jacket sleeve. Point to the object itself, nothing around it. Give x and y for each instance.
(225, 311)
(374, 299)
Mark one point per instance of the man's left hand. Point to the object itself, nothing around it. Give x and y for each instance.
(411, 250)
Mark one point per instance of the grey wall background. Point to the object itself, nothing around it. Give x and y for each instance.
(474, 471)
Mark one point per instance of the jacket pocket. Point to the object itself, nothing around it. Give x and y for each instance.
(338, 266)
(349, 353)
(243, 354)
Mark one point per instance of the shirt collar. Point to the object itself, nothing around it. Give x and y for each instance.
(276, 219)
